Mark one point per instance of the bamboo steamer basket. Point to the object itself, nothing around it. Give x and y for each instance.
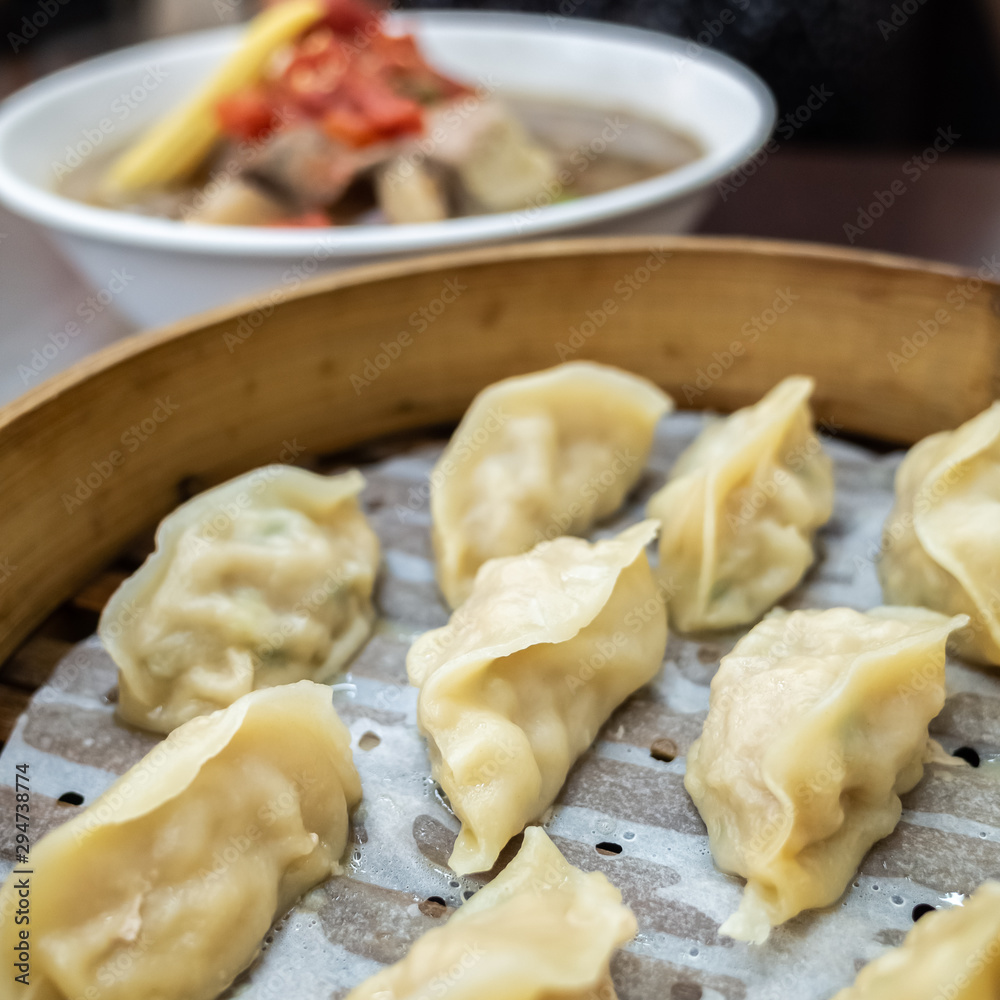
(899, 349)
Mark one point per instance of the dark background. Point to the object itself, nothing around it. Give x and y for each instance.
(893, 85)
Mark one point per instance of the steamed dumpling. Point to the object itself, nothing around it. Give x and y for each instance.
(264, 580)
(740, 509)
(948, 955)
(517, 684)
(941, 543)
(817, 724)
(540, 929)
(535, 457)
(165, 886)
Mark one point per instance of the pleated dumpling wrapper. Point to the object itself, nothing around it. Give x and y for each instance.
(740, 509)
(817, 724)
(165, 886)
(517, 684)
(948, 955)
(540, 929)
(264, 580)
(941, 542)
(535, 457)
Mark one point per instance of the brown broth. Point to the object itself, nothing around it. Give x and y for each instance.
(597, 150)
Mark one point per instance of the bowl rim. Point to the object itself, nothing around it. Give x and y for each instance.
(67, 215)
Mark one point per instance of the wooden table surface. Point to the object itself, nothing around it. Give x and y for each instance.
(949, 211)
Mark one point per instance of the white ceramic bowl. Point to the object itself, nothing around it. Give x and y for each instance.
(158, 270)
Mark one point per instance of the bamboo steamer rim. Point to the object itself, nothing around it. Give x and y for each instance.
(120, 350)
